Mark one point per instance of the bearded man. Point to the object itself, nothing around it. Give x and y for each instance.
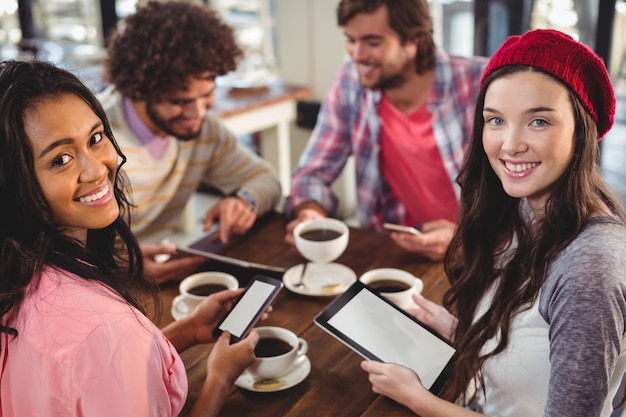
(404, 110)
(162, 68)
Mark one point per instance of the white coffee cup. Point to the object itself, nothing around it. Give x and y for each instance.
(382, 278)
(272, 367)
(192, 292)
(321, 251)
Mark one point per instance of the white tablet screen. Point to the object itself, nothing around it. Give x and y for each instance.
(392, 337)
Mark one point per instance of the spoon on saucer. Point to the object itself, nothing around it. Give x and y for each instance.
(300, 284)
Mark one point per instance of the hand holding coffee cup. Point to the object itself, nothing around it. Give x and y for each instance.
(277, 352)
(394, 284)
(321, 240)
(197, 287)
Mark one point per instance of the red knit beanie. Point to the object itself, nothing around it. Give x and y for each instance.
(572, 62)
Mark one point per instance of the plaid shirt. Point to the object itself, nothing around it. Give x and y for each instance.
(348, 124)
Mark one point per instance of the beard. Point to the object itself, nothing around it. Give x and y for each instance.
(165, 125)
(394, 78)
(393, 81)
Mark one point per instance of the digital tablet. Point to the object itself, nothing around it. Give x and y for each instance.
(379, 330)
(249, 307)
(210, 242)
(210, 246)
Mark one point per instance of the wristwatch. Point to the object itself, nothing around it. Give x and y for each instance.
(246, 196)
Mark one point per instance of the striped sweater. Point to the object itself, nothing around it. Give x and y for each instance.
(162, 187)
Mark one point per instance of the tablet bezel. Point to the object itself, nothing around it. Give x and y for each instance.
(322, 320)
(277, 284)
(209, 246)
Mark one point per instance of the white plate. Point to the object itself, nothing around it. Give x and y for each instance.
(297, 374)
(320, 279)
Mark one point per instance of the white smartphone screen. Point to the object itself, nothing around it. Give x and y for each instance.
(248, 308)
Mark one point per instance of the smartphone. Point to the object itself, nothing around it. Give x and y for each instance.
(401, 229)
(249, 307)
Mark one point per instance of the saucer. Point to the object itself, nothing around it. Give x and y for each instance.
(177, 315)
(320, 279)
(296, 375)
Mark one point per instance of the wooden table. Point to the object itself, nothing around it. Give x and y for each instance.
(336, 385)
(268, 111)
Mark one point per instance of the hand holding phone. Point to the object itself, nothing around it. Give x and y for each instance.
(401, 229)
(249, 307)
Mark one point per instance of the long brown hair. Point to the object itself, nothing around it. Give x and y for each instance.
(30, 238)
(410, 19)
(491, 222)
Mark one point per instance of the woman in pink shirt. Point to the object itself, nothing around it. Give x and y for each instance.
(73, 337)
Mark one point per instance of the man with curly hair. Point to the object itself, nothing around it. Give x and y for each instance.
(162, 67)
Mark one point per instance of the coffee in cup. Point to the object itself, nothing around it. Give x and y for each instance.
(199, 286)
(388, 285)
(396, 285)
(320, 235)
(271, 346)
(204, 290)
(321, 240)
(277, 351)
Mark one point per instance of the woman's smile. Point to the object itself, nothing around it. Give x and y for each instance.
(75, 163)
(519, 169)
(101, 196)
(529, 141)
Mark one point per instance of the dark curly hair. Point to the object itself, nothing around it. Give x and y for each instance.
(163, 44)
(29, 237)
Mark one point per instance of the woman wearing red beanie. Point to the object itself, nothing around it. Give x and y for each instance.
(537, 305)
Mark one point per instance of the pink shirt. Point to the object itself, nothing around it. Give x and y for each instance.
(82, 351)
(411, 163)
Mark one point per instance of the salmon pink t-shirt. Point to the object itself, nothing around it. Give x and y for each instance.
(83, 351)
(411, 163)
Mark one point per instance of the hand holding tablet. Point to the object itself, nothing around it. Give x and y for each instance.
(377, 329)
